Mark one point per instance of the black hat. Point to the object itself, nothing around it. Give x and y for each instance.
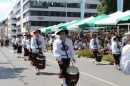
(62, 30)
(115, 37)
(19, 35)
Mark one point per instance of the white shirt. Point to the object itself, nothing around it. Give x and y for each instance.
(84, 45)
(125, 59)
(19, 41)
(115, 49)
(52, 40)
(93, 45)
(58, 51)
(14, 40)
(41, 43)
(24, 42)
(28, 44)
(109, 46)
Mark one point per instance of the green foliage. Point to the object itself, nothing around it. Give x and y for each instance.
(48, 46)
(108, 58)
(85, 53)
(107, 7)
(88, 53)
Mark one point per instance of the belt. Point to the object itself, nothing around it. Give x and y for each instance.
(65, 55)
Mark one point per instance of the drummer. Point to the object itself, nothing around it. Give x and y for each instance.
(60, 54)
(116, 51)
(28, 45)
(37, 40)
(14, 44)
(19, 45)
(94, 45)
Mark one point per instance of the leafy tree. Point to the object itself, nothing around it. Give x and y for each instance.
(107, 6)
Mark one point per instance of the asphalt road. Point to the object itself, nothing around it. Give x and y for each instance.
(17, 72)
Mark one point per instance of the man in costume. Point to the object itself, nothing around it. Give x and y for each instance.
(14, 44)
(37, 46)
(60, 47)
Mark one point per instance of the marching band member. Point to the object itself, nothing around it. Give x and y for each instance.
(19, 45)
(2, 42)
(25, 47)
(51, 42)
(14, 44)
(60, 53)
(94, 45)
(28, 44)
(116, 51)
(125, 59)
(37, 40)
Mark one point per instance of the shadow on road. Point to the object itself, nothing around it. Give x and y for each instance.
(8, 73)
(4, 63)
(49, 74)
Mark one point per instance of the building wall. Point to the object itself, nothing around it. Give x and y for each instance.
(25, 16)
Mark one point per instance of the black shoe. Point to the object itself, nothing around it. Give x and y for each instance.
(18, 56)
(25, 59)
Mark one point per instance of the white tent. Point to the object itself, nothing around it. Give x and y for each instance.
(112, 19)
(76, 25)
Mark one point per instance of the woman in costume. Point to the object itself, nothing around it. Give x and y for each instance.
(94, 45)
(37, 41)
(60, 54)
(116, 51)
(19, 45)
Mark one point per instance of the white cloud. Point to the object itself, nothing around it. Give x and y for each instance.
(5, 9)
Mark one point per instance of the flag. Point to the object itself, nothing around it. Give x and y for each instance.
(120, 5)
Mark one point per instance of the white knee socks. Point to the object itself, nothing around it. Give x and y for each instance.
(35, 68)
(63, 81)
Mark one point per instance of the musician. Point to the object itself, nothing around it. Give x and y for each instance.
(94, 45)
(37, 40)
(25, 47)
(51, 42)
(116, 51)
(28, 46)
(60, 54)
(19, 45)
(2, 42)
(14, 44)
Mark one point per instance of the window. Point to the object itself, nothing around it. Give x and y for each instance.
(57, 13)
(63, 14)
(45, 13)
(25, 6)
(34, 3)
(14, 20)
(40, 4)
(39, 13)
(45, 4)
(33, 23)
(39, 23)
(52, 13)
(14, 31)
(33, 13)
(90, 6)
(63, 4)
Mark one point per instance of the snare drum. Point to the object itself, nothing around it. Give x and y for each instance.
(41, 61)
(99, 57)
(72, 75)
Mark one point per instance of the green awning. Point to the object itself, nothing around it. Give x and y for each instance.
(125, 19)
(68, 24)
(91, 23)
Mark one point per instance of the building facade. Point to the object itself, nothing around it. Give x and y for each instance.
(50, 12)
(12, 28)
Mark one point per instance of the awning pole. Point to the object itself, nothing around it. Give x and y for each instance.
(128, 27)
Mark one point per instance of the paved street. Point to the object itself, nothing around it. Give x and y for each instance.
(17, 72)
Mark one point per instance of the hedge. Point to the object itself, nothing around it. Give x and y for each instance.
(88, 54)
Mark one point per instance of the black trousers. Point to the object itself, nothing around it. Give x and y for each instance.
(25, 52)
(95, 53)
(19, 49)
(117, 58)
(66, 63)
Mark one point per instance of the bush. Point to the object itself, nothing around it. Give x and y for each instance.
(48, 46)
(85, 53)
(109, 58)
(88, 53)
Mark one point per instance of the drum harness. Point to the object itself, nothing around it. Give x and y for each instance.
(63, 44)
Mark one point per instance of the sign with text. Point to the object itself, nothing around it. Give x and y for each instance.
(40, 18)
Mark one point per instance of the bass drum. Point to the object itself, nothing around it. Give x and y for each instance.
(72, 76)
(41, 62)
(99, 57)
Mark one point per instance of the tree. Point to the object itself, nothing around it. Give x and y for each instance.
(107, 6)
(126, 5)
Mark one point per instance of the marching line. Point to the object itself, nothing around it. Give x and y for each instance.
(80, 72)
(86, 73)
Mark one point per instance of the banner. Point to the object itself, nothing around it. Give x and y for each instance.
(120, 5)
(82, 8)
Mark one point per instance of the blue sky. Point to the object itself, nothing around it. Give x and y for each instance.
(5, 8)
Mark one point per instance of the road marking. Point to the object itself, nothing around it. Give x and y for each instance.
(86, 73)
(79, 71)
(11, 67)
